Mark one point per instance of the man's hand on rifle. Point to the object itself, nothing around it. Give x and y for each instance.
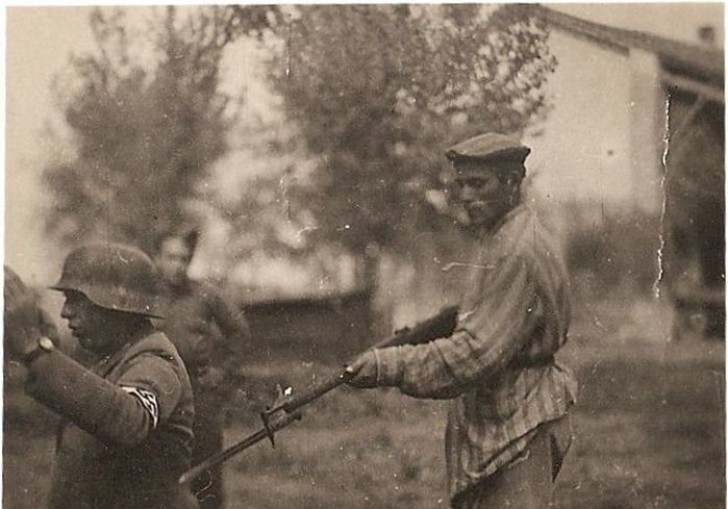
(363, 371)
(376, 367)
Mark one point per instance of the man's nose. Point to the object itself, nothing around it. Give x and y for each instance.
(67, 311)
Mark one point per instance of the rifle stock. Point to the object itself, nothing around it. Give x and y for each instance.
(441, 325)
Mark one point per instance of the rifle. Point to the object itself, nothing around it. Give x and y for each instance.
(289, 407)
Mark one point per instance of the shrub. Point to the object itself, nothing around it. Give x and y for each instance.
(616, 252)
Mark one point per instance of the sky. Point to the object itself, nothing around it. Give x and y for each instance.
(31, 62)
(40, 41)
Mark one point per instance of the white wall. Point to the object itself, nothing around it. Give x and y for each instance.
(602, 143)
(584, 152)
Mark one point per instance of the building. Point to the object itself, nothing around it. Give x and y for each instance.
(611, 94)
(637, 130)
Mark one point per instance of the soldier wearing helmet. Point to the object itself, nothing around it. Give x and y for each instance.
(126, 433)
(210, 337)
(507, 432)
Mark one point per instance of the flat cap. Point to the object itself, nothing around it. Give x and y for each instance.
(489, 147)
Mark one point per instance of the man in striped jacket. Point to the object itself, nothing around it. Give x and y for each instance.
(508, 428)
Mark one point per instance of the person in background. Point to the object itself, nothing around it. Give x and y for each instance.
(213, 355)
(126, 430)
(508, 428)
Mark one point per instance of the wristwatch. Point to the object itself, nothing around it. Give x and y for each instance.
(45, 345)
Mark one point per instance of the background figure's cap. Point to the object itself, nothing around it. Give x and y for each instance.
(489, 147)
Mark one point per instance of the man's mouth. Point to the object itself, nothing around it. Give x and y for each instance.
(478, 205)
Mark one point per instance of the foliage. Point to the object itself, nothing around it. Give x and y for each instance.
(378, 91)
(618, 252)
(144, 134)
(257, 207)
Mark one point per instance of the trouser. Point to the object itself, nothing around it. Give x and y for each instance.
(207, 429)
(527, 482)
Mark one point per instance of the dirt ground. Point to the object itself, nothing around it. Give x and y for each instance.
(649, 432)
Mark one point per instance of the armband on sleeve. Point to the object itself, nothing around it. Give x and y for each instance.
(148, 400)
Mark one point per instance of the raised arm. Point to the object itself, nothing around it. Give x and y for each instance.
(120, 414)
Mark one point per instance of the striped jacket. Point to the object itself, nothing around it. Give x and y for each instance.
(499, 363)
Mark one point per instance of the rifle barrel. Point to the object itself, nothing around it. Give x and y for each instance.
(441, 325)
(247, 442)
(315, 392)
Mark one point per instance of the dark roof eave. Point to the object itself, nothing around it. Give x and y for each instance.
(704, 61)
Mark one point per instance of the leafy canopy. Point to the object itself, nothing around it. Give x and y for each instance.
(378, 91)
(147, 120)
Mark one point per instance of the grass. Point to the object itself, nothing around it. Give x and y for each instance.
(649, 426)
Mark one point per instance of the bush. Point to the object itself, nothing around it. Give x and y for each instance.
(618, 252)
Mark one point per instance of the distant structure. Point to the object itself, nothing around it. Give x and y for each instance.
(612, 94)
(638, 126)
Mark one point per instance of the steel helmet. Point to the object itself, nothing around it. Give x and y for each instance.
(112, 276)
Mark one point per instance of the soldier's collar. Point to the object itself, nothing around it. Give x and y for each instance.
(106, 363)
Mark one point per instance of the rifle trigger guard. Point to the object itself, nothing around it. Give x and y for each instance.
(270, 433)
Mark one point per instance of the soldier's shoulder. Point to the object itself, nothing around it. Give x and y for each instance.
(154, 347)
(155, 343)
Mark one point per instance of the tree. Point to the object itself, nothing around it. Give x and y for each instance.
(144, 134)
(378, 91)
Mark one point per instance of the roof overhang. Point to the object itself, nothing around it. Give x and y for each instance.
(701, 64)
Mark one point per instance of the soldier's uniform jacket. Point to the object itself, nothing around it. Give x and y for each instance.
(213, 359)
(126, 432)
(189, 311)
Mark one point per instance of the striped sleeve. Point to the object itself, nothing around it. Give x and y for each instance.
(486, 340)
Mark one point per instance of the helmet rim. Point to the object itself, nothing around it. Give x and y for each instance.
(113, 276)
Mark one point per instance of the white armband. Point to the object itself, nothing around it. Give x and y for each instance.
(149, 401)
